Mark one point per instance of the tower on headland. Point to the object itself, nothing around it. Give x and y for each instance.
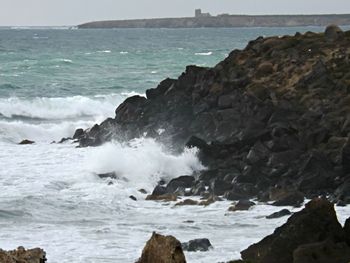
(198, 13)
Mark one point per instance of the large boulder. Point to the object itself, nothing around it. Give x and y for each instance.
(333, 32)
(322, 252)
(316, 223)
(162, 249)
(21, 255)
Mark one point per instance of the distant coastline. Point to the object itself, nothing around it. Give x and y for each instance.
(225, 20)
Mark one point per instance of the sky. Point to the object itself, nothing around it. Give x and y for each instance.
(74, 12)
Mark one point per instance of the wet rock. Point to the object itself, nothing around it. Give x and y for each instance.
(161, 249)
(281, 213)
(24, 142)
(317, 222)
(21, 255)
(159, 190)
(187, 202)
(142, 191)
(342, 193)
(347, 231)
(242, 205)
(184, 181)
(295, 199)
(210, 200)
(112, 175)
(322, 252)
(165, 197)
(201, 244)
(133, 198)
(78, 134)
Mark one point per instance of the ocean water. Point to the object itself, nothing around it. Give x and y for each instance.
(53, 81)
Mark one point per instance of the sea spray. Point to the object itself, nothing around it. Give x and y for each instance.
(142, 162)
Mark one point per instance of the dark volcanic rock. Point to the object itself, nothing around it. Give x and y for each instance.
(273, 114)
(322, 252)
(294, 198)
(24, 142)
(184, 181)
(201, 244)
(161, 249)
(241, 205)
(281, 213)
(316, 223)
(21, 255)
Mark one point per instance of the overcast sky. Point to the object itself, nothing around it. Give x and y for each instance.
(73, 12)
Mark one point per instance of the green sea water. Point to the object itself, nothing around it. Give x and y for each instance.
(62, 63)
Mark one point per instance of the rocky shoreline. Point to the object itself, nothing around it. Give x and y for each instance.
(272, 123)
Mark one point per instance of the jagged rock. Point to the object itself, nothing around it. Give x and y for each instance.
(21, 255)
(281, 213)
(184, 181)
(24, 142)
(322, 252)
(201, 244)
(274, 113)
(159, 190)
(78, 134)
(317, 222)
(241, 205)
(347, 231)
(162, 249)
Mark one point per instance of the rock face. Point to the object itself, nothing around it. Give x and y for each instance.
(273, 115)
(311, 235)
(21, 255)
(162, 249)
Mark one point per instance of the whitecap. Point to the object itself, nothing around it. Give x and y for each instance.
(154, 72)
(104, 51)
(204, 53)
(142, 162)
(123, 52)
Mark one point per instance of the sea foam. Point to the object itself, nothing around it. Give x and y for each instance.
(142, 162)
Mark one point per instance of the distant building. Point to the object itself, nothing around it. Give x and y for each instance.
(198, 13)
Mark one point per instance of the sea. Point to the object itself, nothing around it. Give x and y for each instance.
(55, 80)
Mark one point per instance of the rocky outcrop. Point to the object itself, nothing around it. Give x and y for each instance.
(200, 244)
(21, 255)
(162, 249)
(272, 116)
(311, 235)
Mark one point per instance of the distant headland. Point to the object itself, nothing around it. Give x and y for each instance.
(225, 20)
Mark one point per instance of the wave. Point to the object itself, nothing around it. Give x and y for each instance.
(16, 131)
(204, 53)
(142, 162)
(104, 51)
(60, 108)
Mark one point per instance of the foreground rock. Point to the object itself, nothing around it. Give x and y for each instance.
(162, 249)
(21, 255)
(273, 115)
(311, 235)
